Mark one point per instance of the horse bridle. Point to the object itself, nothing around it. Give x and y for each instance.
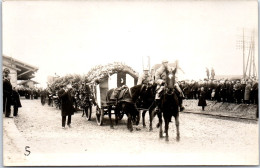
(169, 91)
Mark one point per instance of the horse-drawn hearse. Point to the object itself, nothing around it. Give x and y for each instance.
(110, 92)
(112, 83)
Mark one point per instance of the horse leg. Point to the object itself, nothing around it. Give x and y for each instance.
(83, 112)
(129, 123)
(177, 127)
(116, 114)
(166, 128)
(152, 113)
(143, 117)
(109, 114)
(160, 124)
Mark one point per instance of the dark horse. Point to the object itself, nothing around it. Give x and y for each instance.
(146, 102)
(168, 106)
(125, 104)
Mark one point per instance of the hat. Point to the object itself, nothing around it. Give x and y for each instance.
(165, 61)
(6, 70)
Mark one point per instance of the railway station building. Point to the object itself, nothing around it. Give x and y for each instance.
(19, 71)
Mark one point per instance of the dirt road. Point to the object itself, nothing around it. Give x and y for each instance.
(204, 140)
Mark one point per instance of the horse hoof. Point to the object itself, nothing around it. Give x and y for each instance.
(150, 129)
(131, 130)
(138, 129)
(112, 127)
(144, 126)
(178, 139)
(161, 135)
(167, 139)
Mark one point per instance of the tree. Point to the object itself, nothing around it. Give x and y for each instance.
(212, 73)
(207, 72)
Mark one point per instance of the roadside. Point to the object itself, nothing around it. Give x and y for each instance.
(214, 108)
(13, 143)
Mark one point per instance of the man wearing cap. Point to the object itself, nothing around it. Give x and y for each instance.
(160, 78)
(7, 92)
(145, 78)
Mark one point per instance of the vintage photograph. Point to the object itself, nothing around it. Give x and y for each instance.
(130, 83)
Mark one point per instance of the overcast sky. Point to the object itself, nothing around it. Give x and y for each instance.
(72, 36)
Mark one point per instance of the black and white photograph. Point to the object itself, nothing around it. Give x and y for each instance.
(130, 83)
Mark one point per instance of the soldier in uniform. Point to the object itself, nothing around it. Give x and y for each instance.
(160, 77)
(145, 78)
(7, 92)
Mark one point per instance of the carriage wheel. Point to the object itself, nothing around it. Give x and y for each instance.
(120, 115)
(88, 111)
(99, 116)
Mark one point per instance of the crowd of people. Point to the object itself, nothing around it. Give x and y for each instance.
(231, 91)
(29, 93)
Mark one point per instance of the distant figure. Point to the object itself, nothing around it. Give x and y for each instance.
(213, 94)
(43, 94)
(202, 99)
(16, 101)
(247, 92)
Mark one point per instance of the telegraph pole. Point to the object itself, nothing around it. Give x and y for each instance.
(244, 73)
(247, 43)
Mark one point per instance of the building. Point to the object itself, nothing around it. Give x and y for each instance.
(18, 69)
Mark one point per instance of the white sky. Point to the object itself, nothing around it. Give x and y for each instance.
(72, 36)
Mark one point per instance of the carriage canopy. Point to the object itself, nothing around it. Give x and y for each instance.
(112, 76)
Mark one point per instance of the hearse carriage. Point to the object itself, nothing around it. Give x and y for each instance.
(115, 81)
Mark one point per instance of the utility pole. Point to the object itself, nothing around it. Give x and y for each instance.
(247, 43)
(244, 73)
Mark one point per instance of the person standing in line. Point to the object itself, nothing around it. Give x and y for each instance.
(67, 108)
(202, 99)
(16, 101)
(247, 92)
(7, 93)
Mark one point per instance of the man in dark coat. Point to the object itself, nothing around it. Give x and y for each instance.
(67, 108)
(202, 99)
(194, 90)
(43, 94)
(228, 91)
(223, 91)
(242, 92)
(254, 92)
(237, 92)
(16, 101)
(7, 92)
(217, 94)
